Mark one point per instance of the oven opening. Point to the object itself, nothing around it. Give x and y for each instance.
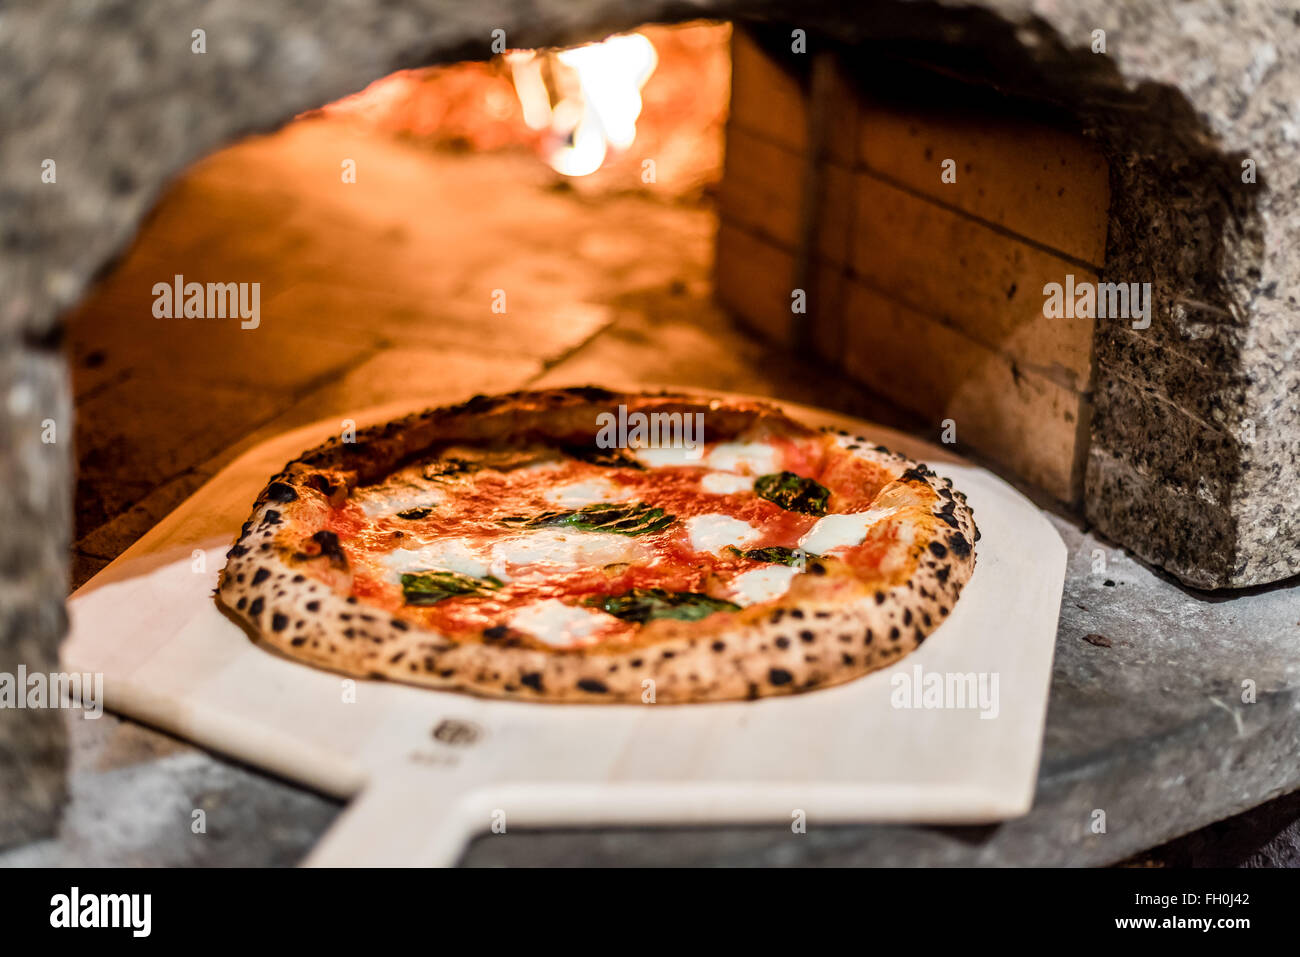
(694, 206)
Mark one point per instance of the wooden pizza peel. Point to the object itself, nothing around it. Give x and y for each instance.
(426, 770)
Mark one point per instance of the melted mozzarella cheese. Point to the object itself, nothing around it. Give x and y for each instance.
(551, 546)
(725, 483)
(587, 492)
(448, 554)
(557, 624)
(762, 584)
(541, 467)
(385, 501)
(709, 533)
(669, 456)
(747, 458)
(841, 531)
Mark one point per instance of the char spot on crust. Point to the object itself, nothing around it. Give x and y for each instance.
(779, 676)
(937, 549)
(261, 575)
(532, 679)
(591, 393)
(917, 473)
(330, 548)
(592, 685)
(255, 608)
(279, 621)
(281, 492)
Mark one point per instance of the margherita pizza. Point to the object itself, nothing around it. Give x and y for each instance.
(586, 545)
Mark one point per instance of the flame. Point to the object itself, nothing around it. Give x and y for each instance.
(596, 100)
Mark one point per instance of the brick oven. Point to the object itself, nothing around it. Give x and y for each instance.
(938, 209)
(1060, 238)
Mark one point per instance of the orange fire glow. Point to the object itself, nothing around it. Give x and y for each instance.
(579, 110)
(592, 102)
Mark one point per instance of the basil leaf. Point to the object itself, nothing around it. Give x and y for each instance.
(776, 555)
(431, 587)
(643, 604)
(621, 518)
(412, 514)
(792, 492)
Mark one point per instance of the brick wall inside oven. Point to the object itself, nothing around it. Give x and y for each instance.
(929, 292)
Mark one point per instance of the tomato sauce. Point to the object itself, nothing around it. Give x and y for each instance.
(472, 508)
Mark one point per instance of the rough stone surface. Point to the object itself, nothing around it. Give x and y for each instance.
(112, 92)
(35, 534)
(135, 800)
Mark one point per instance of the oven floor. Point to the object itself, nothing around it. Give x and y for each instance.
(382, 290)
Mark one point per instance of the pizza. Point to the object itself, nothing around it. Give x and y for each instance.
(584, 545)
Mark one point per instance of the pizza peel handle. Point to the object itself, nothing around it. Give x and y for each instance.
(411, 817)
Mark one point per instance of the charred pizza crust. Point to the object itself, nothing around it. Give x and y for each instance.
(286, 579)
